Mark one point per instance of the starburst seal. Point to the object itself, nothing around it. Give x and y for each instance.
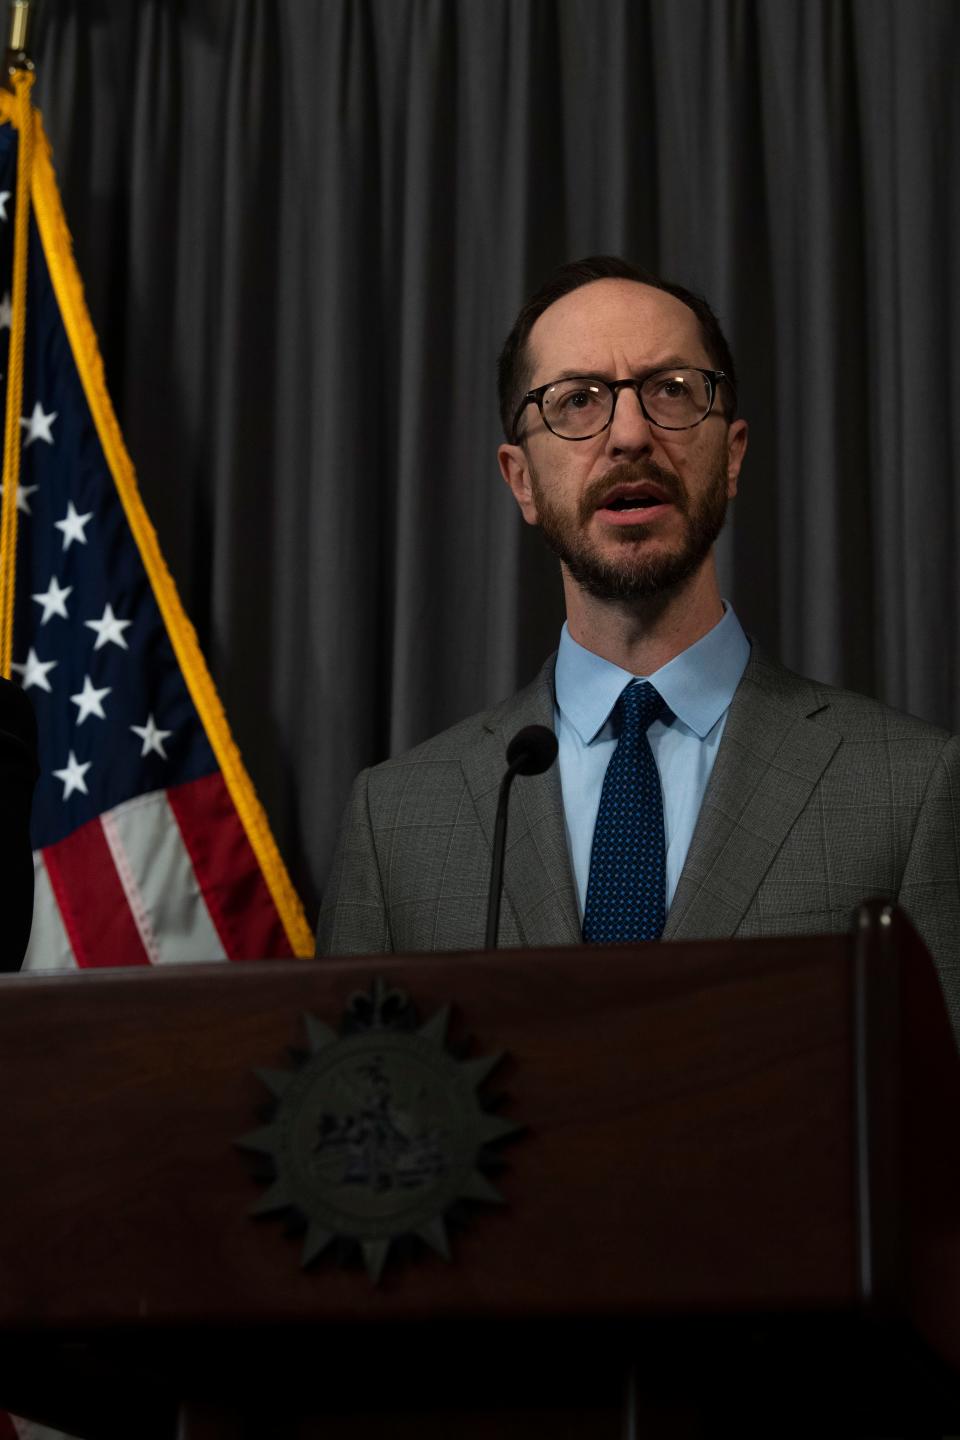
(378, 1130)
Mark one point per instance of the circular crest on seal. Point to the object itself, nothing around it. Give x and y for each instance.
(377, 1130)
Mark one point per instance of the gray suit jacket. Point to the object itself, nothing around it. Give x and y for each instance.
(818, 799)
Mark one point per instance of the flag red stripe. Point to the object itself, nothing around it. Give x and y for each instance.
(92, 901)
(227, 870)
(8, 1431)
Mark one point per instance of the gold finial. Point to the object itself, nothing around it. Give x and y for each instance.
(17, 57)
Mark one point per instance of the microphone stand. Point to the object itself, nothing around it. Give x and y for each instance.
(496, 869)
(531, 751)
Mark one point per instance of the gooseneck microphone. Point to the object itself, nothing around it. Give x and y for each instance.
(531, 751)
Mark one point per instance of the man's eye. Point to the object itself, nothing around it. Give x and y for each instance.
(577, 400)
(672, 389)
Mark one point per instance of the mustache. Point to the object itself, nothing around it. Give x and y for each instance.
(632, 472)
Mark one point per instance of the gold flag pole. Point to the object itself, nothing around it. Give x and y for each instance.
(19, 77)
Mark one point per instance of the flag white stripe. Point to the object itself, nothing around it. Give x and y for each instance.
(49, 947)
(32, 1430)
(157, 875)
(131, 889)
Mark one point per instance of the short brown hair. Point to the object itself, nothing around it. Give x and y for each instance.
(513, 366)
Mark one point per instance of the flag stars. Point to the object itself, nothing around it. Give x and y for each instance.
(73, 525)
(34, 671)
(6, 313)
(4, 197)
(38, 425)
(23, 494)
(53, 600)
(89, 701)
(109, 629)
(72, 776)
(152, 738)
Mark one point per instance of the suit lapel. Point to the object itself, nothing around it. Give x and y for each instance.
(770, 758)
(538, 882)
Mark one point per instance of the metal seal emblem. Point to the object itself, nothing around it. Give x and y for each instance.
(376, 1132)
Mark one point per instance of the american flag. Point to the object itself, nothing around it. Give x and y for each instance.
(150, 844)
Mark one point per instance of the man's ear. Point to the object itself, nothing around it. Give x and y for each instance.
(736, 449)
(515, 469)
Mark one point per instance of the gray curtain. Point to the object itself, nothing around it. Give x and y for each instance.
(305, 226)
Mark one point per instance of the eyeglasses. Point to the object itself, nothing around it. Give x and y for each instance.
(579, 408)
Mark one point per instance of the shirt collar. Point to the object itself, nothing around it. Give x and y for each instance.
(698, 684)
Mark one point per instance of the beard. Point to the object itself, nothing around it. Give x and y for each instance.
(641, 572)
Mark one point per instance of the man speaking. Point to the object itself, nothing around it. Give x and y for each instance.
(701, 790)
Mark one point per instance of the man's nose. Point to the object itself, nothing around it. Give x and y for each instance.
(629, 432)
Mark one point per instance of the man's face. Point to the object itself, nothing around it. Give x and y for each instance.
(633, 512)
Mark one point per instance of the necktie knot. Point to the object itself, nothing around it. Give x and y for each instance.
(640, 704)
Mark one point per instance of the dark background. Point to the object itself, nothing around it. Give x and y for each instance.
(305, 227)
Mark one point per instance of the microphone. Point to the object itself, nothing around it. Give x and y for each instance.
(531, 751)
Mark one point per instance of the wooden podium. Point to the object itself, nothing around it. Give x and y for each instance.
(734, 1206)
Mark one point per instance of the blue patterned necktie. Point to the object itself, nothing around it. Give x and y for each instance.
(626, 891)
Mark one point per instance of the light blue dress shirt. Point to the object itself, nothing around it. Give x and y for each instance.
(697, 685)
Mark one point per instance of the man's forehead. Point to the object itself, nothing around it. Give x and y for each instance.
(609, 322)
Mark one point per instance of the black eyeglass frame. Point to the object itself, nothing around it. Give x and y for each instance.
(713, 378)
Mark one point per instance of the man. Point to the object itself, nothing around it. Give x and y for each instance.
(745, 800)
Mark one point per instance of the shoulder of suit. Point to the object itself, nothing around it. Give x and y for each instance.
(533, 704)
(851, 713)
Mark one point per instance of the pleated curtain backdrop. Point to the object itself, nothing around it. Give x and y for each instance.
(305, 227)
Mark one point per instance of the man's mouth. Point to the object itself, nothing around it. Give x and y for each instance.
(632, 502)
(632, 495)
(634, 499)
